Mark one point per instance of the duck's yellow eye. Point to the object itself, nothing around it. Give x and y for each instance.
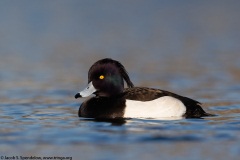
(101, 77)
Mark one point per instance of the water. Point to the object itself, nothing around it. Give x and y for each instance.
(47, 47)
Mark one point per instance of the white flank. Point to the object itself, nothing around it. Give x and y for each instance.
(164, 107)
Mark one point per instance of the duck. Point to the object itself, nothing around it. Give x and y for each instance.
(106, 81)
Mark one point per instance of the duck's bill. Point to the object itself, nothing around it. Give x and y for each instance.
(90, 89)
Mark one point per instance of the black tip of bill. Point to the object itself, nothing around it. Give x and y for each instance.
(78, 95)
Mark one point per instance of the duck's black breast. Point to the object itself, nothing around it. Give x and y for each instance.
(103, 107)
(193, 107)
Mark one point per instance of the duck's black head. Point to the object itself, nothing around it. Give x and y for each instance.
(106, 78)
